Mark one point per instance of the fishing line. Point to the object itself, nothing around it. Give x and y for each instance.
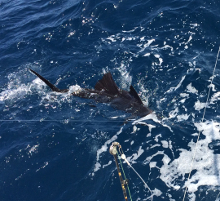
(146, 186)
(202, 122)
(125, 159)
(63, 121)
(217, 196)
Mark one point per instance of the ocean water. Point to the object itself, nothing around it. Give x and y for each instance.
(56, 146)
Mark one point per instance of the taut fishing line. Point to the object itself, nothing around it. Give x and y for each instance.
(62, 121)
(202, 122)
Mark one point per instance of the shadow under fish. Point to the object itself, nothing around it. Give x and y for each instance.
(106, 91)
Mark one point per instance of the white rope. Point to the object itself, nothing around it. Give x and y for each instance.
(202, 122)
(146, 186)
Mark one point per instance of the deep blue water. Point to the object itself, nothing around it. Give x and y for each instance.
(55, 147)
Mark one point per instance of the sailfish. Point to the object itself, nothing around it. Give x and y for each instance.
(106, 91)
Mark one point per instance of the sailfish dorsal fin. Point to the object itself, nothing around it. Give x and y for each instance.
(133, 93)
(107, 84)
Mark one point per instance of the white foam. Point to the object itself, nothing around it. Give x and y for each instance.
(178, 86)
(160, 59)
(184, 95)
(191, 89)
(74, 88)
(166, 159)
(164, 144)
(153, 164)
(135, 156)
(215, 97)
(152, 116)
(42, 167)
(111, 38)
(194, 25)
(167, 47)
(183, 117)
(135, 128)
(33, 149)
(157, 192)
(143, 47)
(126, 79)
(205, 162)
(15, 93)
(103, 149)
(173, 113)
(146, 55)
(148, 159)
(190, 38)
(109, 163)
(198, 105)
(130, 31)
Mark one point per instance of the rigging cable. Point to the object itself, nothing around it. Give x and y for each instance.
(186, 189)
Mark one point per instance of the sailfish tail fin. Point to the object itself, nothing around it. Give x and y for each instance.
(48, 83)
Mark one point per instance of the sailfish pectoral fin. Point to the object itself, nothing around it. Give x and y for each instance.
(48, 83)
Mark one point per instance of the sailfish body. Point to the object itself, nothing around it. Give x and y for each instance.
(106, 91)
